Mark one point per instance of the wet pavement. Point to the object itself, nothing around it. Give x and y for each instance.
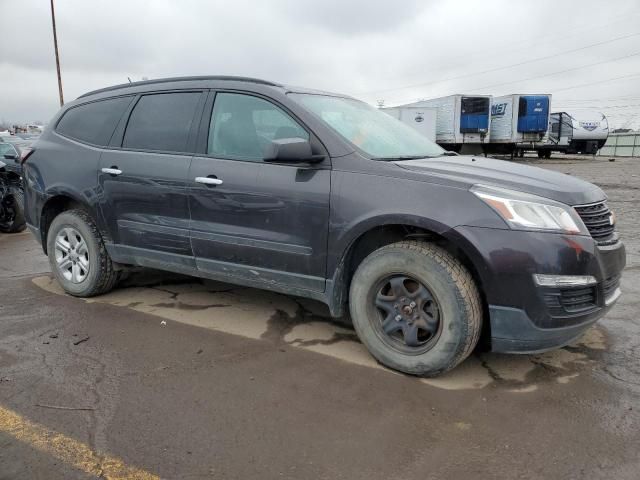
(174, 377)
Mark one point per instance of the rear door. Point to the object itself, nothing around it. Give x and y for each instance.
(143, 178)
(260, 222)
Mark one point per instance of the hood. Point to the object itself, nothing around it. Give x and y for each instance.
(466, 171)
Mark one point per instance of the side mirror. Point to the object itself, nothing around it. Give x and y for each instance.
(10, 156)
(2, 165)
(290, 150)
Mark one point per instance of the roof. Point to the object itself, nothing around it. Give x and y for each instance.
(182, 79)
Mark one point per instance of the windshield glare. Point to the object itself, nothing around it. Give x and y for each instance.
(376, 133)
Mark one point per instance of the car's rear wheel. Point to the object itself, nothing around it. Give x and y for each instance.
(416, 308)
(77, 255)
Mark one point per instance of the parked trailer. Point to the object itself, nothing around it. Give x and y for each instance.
(463, 121)
(419, 118)
(518, 123)
(579, 131)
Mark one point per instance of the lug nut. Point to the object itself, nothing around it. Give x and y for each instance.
(398, 318)
(412, 304)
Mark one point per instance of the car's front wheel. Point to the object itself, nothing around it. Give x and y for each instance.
(77, 255)
(416, 308)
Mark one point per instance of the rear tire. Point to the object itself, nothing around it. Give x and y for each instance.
(77, 255)
(449, 298)
(13, 205)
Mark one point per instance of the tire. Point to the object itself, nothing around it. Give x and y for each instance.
(541, 153)
(100, 275)
(454, 293)
(547, 154)
(15, 202)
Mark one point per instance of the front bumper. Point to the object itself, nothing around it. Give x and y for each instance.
(526, 318)
(512, 331)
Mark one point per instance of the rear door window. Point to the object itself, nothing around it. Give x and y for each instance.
(93, 122)
(162, 122)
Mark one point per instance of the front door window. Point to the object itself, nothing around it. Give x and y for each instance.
(243, 125)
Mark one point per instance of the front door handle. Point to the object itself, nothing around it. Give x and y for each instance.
(112, 171)
(209, 180)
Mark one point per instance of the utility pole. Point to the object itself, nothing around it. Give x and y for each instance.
(55, 45)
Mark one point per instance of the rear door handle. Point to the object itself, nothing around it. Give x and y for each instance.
(209, 180)
(112, 171)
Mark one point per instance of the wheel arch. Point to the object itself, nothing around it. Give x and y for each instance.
(57, 202)
(379, 234)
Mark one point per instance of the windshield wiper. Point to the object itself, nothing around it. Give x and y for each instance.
(448, 153)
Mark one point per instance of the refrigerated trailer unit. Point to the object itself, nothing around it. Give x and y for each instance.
(579, 131)
(421, 119)
(518, 122)
(463, 121)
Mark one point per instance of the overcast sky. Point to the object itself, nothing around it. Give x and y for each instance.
(397, 51)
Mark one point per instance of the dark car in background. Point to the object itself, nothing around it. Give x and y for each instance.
(320, 195)
(11, 191)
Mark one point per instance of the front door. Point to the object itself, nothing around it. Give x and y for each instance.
(143, 179)
(259, 222)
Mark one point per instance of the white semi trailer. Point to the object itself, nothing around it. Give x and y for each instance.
(518, 123)
(463, 121)
(420, 119)
(578, 131)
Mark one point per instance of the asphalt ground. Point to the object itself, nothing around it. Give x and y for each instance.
(174, 377)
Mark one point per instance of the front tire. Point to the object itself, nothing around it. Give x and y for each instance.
(416, 308)
(77, 255)
(12, 217)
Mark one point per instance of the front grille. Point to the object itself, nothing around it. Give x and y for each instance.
(597, 218)
(567, 301)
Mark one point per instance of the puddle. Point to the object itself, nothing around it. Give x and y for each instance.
(286, 321)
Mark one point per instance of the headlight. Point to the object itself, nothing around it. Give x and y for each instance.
(523, 211)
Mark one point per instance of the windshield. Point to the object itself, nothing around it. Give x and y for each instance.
(376, 133)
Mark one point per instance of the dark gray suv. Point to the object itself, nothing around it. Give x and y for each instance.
(320, 195)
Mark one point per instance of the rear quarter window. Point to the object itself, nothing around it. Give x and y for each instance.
(93, 122)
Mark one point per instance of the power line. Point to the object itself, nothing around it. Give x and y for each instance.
(557, 73)
(599, 106)
(613, 99)
(598, 82)
(528, 43)
(588, 84)
(538, 59)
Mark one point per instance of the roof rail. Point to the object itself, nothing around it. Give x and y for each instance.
(181, 79)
